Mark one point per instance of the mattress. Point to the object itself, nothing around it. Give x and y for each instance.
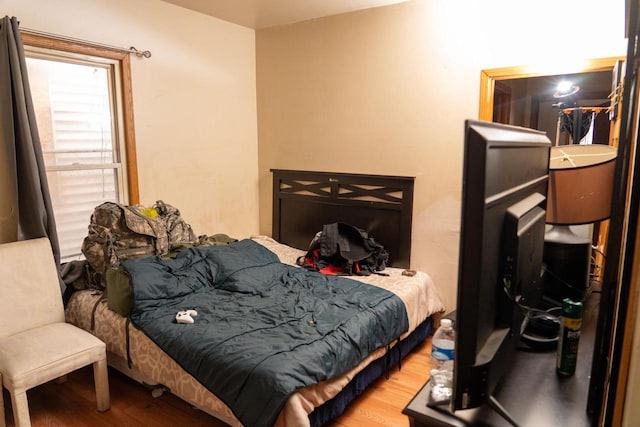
(148, 363)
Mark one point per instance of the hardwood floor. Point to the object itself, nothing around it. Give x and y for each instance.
(72, 404)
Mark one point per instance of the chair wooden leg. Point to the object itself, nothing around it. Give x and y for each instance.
(101, 379)
(20, 408)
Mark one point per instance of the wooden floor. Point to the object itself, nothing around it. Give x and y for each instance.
(72, 404)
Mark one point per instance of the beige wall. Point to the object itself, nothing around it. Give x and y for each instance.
(387, 91)
(380, 91)
(194, 102)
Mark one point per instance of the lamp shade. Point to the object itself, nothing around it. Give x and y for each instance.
(580, 183)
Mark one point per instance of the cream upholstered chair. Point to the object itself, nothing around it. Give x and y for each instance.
(36, 345)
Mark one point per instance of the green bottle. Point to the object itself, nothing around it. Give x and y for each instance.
(569, 337)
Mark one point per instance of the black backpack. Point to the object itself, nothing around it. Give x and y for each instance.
(343, 249)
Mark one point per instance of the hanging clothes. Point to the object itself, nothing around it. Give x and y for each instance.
(576, 123)
(588, 138)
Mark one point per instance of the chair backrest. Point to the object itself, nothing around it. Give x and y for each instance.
(30, 294)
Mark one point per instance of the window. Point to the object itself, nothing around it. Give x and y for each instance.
(82, 103)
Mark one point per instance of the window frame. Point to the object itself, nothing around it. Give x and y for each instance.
(125, 92)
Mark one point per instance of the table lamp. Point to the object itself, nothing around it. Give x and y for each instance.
(580, 192)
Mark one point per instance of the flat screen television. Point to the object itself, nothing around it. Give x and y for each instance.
(504, 189)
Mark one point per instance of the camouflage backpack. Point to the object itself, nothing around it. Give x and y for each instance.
(119, 232)
(178, 231)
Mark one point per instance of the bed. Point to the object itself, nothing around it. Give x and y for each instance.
(325, 198)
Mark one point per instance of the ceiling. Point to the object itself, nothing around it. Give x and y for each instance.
(258, 14)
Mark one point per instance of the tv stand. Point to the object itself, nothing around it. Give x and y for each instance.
(532, 391)
(496, 406)
(492, 402)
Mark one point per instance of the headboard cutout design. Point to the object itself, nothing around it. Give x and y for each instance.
(382, 205)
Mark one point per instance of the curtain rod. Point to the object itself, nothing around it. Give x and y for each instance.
(133, 50)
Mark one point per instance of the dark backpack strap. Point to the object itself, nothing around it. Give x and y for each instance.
(126, 334)
(329, 240)
(103, 298)
(312, 258)
(387, 362)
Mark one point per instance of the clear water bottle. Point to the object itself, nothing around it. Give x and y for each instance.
(442, 348)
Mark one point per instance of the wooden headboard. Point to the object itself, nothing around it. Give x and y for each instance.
(382, 205)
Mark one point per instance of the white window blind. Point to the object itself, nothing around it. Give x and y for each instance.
(77, 116)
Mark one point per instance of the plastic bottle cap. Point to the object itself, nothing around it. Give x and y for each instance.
(571, 308)
(446, 323)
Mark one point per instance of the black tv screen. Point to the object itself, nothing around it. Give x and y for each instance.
(504, 188)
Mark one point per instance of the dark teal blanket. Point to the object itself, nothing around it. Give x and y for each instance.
(263, 329)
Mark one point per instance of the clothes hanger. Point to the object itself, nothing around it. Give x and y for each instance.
(586, 109)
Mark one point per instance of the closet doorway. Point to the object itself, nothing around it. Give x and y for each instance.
(524, 96)
(494, 83)
(509, 95)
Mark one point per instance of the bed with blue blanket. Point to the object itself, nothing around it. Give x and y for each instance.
(263, 328)
(272, 343)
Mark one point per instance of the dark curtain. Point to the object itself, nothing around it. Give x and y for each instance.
(21, 142)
